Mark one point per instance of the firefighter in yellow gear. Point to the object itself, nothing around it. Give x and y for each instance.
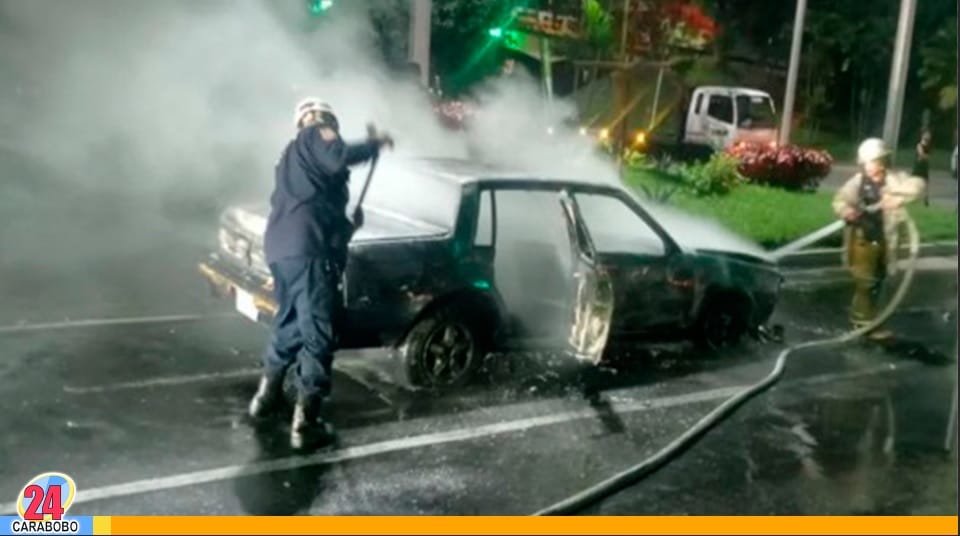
(872, 202)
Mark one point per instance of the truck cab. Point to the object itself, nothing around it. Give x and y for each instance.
(720, 116)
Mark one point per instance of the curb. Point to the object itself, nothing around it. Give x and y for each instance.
(831, 257)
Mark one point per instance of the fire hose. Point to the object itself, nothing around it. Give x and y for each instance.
(632, 475)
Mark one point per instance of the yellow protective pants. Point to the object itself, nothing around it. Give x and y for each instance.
(868, 265)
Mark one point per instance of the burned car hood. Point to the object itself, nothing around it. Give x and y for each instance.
(378, 224)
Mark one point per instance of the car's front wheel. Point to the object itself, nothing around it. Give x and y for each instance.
(723, 322)
(443, 350)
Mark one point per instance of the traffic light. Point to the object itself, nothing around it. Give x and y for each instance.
(318, 7)
(495, 33)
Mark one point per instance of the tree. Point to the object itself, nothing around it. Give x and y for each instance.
(938, 68)
(462, 51)
(597, 29)
(847, 47)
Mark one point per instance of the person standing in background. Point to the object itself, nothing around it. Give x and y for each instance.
(921, 164)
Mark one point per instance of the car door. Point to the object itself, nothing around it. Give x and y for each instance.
(593, 303)
(652, 280)
(720, 128)
(544, 273)
(696, 123)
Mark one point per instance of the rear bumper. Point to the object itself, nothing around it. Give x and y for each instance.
(225, 278)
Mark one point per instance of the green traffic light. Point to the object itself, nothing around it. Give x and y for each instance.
(496, 33)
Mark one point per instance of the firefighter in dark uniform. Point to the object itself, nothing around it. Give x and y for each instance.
(306, 248)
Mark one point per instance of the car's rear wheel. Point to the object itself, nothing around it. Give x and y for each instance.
(443, 350)
(723, 321)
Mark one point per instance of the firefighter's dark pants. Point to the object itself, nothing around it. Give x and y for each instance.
(868, 265)
(308, 306)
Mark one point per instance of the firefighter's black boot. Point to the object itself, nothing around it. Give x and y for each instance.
(267, 398)
(308, 430)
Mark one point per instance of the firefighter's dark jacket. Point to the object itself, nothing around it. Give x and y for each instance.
(308, 206)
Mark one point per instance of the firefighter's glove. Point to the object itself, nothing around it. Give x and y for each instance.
(357, 219)
(384, 140)
(851, 215)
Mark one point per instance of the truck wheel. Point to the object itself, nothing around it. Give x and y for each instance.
(722, 322)
(443, 350)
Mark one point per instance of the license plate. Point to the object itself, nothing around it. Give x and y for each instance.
(245, 305)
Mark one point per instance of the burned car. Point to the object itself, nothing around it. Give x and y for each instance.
(457, 259)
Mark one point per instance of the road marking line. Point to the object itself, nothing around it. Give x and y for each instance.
(99, 322)
(168, 380)
(412, 442)
(373, 449)
(198, 378)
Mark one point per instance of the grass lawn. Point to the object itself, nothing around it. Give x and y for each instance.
(774, 217)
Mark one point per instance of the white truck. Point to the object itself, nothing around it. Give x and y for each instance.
(709, 119)
(719, 116)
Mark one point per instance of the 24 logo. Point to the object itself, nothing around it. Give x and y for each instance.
(43, 503)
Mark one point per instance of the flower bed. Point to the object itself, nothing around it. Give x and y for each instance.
(785, 166)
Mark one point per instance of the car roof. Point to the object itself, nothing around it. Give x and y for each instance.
(463, 172)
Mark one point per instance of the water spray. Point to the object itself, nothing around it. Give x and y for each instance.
(592, 495)
(808, 240)
(816, 236)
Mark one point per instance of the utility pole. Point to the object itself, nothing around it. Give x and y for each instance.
(623, 30)
(898, 74)
(792, 72)
(419, 40)
(546, 60)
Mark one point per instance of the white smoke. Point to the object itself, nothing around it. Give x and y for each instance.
(135, 95)
(197, 97)
(188, 104)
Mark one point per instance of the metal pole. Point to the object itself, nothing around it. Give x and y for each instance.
(623, 30)
(419, 40)
(898, 74)
(547, 66)
(656, 98)
(793, 72)
(950, 441)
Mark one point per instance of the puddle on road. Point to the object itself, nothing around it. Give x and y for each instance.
(874, 446)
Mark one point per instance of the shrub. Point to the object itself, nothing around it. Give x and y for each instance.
(717, 176)
(786, 166)
(658, 194)
(634, 159)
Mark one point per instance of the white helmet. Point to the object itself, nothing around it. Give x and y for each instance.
(872, 149)
(308, 105)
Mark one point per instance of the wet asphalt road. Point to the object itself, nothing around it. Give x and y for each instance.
(147, 415)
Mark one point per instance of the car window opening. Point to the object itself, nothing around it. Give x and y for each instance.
(615, 227)
(533, 264)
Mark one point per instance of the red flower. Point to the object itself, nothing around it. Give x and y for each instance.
(787, 166)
